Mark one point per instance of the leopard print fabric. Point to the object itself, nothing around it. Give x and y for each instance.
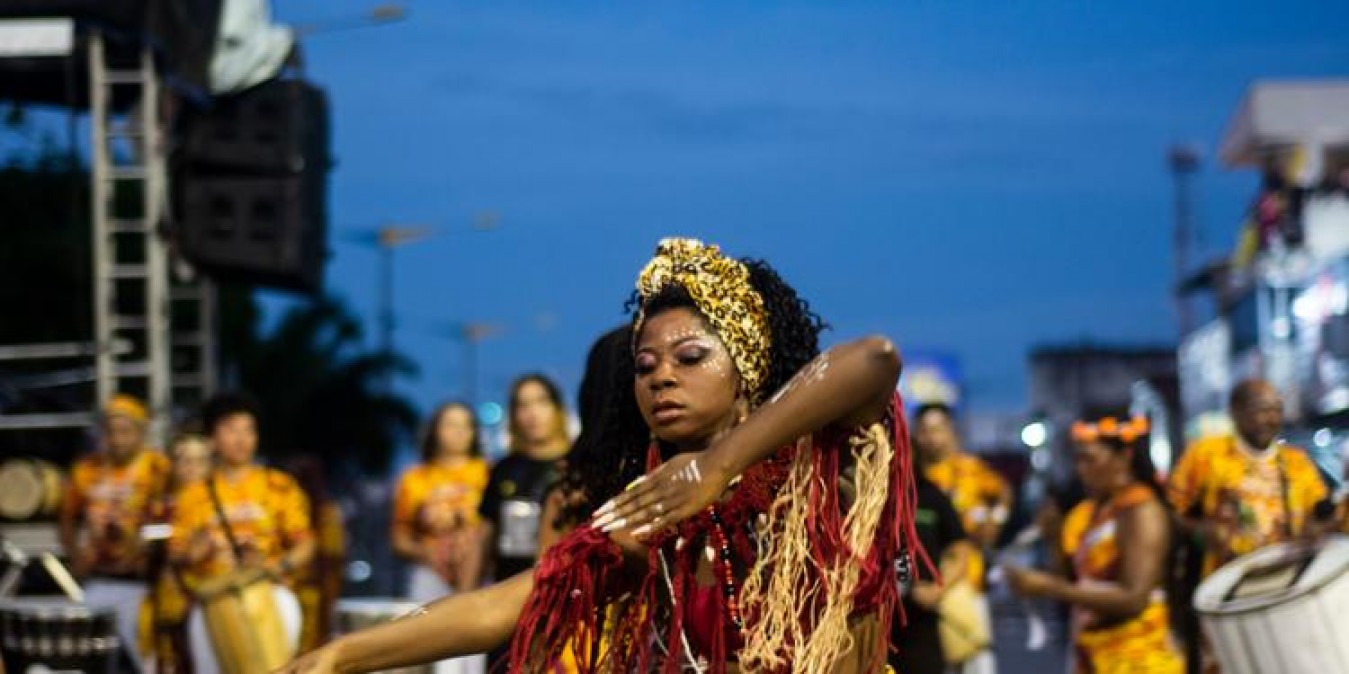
(721, 288)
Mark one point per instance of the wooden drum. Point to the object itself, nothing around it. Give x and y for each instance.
(246, 628)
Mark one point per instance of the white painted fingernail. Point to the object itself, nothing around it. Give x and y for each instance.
(604, 509)
(614, 525)
(641, 531)
(603, 520)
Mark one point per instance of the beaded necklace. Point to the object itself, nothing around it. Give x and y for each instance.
(726, 569)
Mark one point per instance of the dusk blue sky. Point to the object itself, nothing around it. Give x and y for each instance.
(975, 177)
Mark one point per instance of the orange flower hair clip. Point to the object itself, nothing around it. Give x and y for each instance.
(1110, 427)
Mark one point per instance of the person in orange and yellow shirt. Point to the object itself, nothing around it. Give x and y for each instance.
(1116, 544)
(436, 525)
(163, 628)
(243, 516)
(435, 519)
(1240, 492)
(981, 497)
(111, 496)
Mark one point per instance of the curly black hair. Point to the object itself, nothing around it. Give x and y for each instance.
(227, 404)
(611, 450)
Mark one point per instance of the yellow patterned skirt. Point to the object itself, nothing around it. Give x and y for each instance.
(1141, 646)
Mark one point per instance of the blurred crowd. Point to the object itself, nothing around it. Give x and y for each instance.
(161, 535)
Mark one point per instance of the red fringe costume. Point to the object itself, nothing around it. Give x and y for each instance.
(587, 598)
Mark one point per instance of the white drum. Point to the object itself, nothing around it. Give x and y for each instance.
(357, 614)
(1279, 610)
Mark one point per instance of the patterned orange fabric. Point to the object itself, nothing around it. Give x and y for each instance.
(267, 513)
(1142, 645)
(974, 489)
(1089, 533)
(434, 499)
(113, 502)
(1245, 492)
(163, 619)
(437, 505)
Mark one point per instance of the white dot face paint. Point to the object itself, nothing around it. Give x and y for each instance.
(696, 347)
(686, 383)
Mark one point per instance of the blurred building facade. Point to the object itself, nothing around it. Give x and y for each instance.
(1280, 301)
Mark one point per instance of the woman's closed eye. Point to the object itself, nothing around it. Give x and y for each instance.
(645, 363)
(692, 354)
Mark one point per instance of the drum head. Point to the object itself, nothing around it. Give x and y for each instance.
(22, 490)
(1273, 575)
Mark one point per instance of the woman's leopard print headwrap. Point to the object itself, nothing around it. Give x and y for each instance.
(721, 289)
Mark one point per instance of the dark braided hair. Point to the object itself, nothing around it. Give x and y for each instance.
(610, 452)
(607, 454)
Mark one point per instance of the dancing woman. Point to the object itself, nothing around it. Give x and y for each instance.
(756, 529)
(1116, 544)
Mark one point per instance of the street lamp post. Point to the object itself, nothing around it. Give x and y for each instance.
(388, 238)
(389, 12)
(473, 334)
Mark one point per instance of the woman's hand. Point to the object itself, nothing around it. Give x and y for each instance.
(673, 493)
(927, 595)
(321, 661)
(1030, 583)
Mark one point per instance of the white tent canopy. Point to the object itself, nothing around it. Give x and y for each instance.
(1277, 116)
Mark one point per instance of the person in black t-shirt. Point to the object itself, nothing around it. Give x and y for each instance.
(917, 641)
(519, 483)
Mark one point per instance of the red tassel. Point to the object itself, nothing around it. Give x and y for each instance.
(576, 581)
(567, 600)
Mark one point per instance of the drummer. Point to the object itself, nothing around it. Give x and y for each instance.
(111, 496)
(243, 516)
(1245, 490)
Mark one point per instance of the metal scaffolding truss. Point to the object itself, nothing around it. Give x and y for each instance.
(154, 316)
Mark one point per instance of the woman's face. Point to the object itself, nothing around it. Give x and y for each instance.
(535, 413)
(191, 461)
(934, 436)
(454, 432)
(1099, 467)
(236, 439)
(686, 382)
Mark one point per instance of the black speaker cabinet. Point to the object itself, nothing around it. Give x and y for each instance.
(266, 230)
(277, 126)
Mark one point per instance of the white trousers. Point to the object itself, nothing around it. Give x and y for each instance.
(203, 652)
(124, 597)
(424, 586)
